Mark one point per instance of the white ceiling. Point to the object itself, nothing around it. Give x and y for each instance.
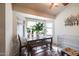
(44, 8)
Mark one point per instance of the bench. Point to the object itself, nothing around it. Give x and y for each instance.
(70, 52)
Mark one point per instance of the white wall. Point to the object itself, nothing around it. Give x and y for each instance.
(2, 29)
(15, 45)
(60, 28)
(8, 28)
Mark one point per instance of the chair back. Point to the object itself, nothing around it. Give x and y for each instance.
(19, 40)
(19, 44)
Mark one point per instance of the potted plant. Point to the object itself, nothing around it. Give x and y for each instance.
(38, 27)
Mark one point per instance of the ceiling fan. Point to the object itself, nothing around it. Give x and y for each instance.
(57, 4)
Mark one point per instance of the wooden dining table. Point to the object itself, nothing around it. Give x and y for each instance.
(36, 42)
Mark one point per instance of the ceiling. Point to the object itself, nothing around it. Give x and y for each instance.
(44, 8)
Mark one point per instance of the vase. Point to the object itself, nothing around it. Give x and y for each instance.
(37, 35)
(28, 35)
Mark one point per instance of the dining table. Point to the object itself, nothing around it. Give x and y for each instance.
(38, 41)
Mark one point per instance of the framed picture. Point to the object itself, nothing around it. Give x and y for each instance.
(72, 21)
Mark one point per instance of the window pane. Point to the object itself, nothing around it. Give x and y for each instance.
(30, 23)
(49, 24)
(49, 31)
(20, 29)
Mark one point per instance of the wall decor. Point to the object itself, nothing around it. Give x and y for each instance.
(72, 20)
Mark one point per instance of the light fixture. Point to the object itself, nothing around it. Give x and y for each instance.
(57, 4)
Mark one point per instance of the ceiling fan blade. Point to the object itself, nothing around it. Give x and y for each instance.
(56, 5)
(65, 4)
(51, 5)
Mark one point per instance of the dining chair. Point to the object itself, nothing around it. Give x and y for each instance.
(21, 45)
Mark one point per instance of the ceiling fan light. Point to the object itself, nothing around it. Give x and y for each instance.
(53, 5)
(56, 4)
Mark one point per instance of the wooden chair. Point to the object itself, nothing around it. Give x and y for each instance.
(21, 46)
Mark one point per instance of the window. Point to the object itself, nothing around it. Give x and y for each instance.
(28, 23)
(49, 28)
(20, 27)
(49, 24)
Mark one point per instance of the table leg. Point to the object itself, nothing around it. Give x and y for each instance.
(50, 46)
